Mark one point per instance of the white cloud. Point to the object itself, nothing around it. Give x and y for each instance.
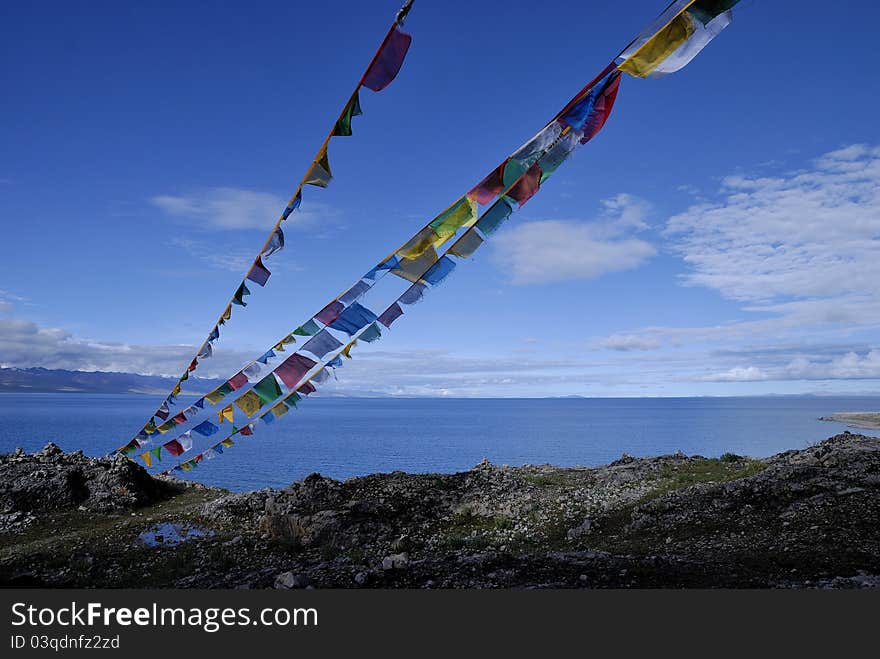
(236, 208)
(560, 250)
(848, 366)
(24, 344)
(627, 342)
(809, 234)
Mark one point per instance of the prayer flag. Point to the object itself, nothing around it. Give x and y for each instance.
(280, 409)
(309, 329)
(247, 430)
(265, 357)
(467, 244)
(354, 292)
(306, 388)
(391, 314)
(238, 380)
(462, 213)
(226, 414)
(386, 265)
(439, 271)
(372, 333)
(330, 313)
(239, 295)
(259, 274)
(322, 343)
(249, 403)
(276, 243)
(293, 369)
(228, 442)
(320, 174)
(217, 395)
(413, 294)
(267, 389)
(206, 428)
(353, 319)
(353, 109)
(173, 447)
(185, 441)
(494, 217)
(292, 206)
(387, 62)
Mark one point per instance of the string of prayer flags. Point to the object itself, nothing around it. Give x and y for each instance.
(515, 181)
(382, 69)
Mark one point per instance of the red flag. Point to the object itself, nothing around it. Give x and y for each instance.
(173, 447)
(237, 381)
(387, 62)
(292, 369)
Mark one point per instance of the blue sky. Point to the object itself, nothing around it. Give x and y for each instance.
(720, 236)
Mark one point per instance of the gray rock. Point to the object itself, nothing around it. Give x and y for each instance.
(395, 561)
(289, 580)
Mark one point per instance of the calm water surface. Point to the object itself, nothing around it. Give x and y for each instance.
(343, 437)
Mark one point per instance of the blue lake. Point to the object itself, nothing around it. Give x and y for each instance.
(343, 437)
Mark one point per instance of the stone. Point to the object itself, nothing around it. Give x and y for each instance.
(395, 561)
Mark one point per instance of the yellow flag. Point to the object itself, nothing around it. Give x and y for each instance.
(227, 314)
(147, 458)
(215, 396)
(227, 442)
(280, 409)
(346, 351)
(176, 390)
(249, 403)
(226, 414)
(660, 46)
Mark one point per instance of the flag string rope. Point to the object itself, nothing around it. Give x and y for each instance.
(350, 107)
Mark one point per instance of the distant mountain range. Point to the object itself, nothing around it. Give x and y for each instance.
(45, 380)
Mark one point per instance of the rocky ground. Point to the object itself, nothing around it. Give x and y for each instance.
(807, 518)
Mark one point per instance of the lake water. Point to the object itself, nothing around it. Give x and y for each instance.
(343, 437)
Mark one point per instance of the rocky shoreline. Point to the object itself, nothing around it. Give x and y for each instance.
(799, 519)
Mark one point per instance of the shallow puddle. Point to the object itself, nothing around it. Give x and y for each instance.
(170, 534)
